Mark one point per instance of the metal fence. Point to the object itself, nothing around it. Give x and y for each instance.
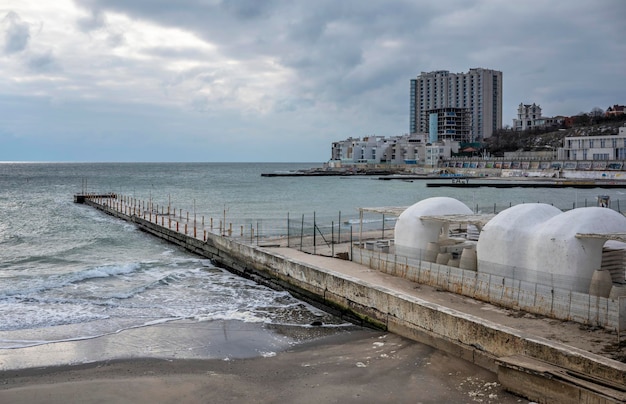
(311, 233)
(511, 293)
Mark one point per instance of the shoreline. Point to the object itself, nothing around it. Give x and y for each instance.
(182, 339)
(352, 366)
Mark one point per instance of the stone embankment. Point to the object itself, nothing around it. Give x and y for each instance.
(528, 364)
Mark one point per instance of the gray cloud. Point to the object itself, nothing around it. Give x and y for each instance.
(16, 33)
(95, 20)
(317, 70)
(43, 62)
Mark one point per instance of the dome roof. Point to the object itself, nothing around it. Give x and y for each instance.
(538, 243)
(414, 233)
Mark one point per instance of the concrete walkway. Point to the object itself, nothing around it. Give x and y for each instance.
(584, 362)
(589, 364)
(596, 341)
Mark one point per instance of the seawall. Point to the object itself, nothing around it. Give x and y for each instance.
(370, 302)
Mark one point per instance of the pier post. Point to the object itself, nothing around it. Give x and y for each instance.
(230, 230)
(204, 239)
(339, 229)
(185, 229)
(211, 224)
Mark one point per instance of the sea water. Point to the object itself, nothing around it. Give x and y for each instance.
(70, 272)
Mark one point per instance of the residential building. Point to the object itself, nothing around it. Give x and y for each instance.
(448, 123)
(358, 151)
(405, 150)
(479, 91)
(605, 147)
(529, 117)
(615, 110)
(435, 152)
(396, 150)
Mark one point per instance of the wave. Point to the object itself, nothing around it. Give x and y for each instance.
(6, 343)
(29, 285)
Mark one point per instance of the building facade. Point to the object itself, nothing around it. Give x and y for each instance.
(395, 150)
(479, 91)
(605, 147)
(529, 117)
(615, 110)
(449, 123)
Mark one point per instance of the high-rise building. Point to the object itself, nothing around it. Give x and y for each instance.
(478, 91)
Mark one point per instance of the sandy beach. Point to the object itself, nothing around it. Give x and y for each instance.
(350, 366)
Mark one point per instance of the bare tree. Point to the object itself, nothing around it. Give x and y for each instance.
(596, 112)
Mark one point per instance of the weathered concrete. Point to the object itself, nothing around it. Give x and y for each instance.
(545, 383)
(369, 301)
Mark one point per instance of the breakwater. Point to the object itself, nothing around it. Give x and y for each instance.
(367, 297)
(527, 184)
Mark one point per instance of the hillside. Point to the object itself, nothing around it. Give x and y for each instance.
(506, 140)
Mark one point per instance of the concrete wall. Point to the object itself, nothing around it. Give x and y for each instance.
(516, 294)
(496, 340)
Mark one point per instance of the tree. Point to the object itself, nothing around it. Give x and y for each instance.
(581, 119)
(596, 112)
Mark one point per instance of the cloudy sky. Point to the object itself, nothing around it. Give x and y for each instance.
(272, 80)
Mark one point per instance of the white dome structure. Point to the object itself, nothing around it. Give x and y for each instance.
(412, 234)
(504, 243)
(538, 243)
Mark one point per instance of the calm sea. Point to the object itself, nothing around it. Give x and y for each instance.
(69, 272)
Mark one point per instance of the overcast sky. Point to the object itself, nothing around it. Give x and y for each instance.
(254, 80)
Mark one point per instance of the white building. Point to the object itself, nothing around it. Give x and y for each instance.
(539, 243)
(529, 117)
(359, 151)
(479, 91)
(531, 243)
(406, 149)
(412, 234)
(605, 147)
(435, 152)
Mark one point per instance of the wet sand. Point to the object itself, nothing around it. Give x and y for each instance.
(359, 365)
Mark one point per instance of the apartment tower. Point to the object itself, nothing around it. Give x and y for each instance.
(478, 91)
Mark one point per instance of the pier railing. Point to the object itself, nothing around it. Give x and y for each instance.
(368, 241)
(311, 232)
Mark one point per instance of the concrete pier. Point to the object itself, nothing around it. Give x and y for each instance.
(477, 332)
